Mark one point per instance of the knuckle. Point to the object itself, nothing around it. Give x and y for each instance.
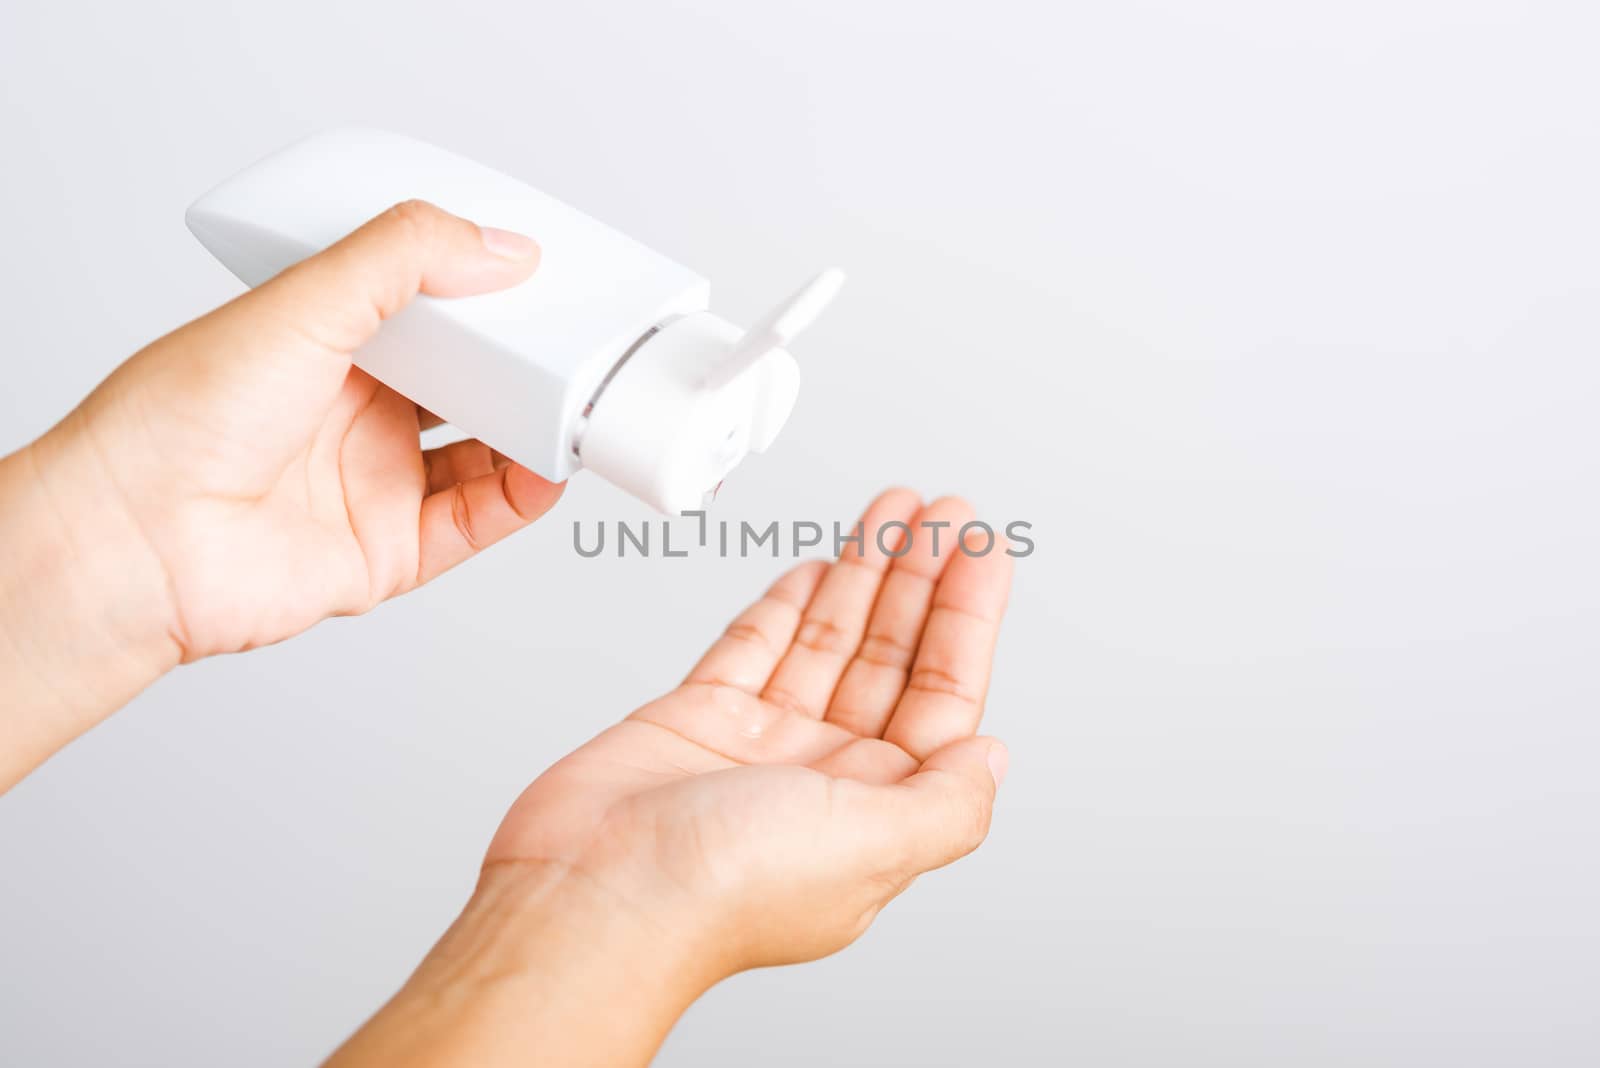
(416, 222)
(405, 232)
(952, 503)
(413, 214)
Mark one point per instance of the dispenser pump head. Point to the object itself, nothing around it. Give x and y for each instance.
(694, 397)
(779, 326)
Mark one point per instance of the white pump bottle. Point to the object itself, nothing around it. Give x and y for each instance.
(605, 359)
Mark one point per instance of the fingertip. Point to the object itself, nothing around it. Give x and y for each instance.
(509, 245)
(898, 497)
(530, 495)
(342, 294)
(885, 526)
(999, 759)
(452, 256)
(952, 503)
(959, 795)
(972, 757)
(978, 578)
(934, 528)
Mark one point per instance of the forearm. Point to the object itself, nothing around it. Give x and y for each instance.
(541, 969)
(80, 604)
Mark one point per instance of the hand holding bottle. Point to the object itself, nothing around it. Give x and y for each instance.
(239, 480)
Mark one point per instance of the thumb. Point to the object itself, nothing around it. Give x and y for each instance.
(941, 813)
(339, 297)
(271, 360)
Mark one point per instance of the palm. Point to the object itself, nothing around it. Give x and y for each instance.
(839, 679)
(330, 529)
(315, 503)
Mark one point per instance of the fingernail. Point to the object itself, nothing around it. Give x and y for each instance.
(508, 245)
(999, 763)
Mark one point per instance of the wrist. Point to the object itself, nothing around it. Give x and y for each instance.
(82, 602)
(546, 965)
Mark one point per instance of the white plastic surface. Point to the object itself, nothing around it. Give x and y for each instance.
(662, 434)
(514, 368)
(536, 371)
(780, 326)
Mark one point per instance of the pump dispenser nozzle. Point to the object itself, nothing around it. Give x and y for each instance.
(695, 398)
(780, 326)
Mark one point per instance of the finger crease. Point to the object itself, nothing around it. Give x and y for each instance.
(965, 612)
(885, 651)
(785, 700)
(749, 632)
(461, 515)
(821, 636)
(936, 680)
(505, 491)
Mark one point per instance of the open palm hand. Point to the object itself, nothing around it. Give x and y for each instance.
(819, 757)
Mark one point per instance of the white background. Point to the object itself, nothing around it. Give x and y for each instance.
(1276, 320)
